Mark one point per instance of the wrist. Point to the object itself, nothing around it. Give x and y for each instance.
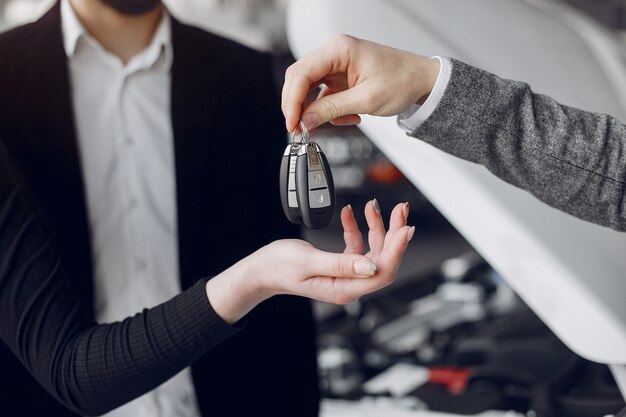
(235, 292)
(430, 73)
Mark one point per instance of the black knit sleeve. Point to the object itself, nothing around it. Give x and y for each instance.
(88, 367)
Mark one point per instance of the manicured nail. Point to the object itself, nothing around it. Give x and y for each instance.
(349, 209)
(376, 206)
(410, 235)
(364, 268)
(405, 212)
(311, 121)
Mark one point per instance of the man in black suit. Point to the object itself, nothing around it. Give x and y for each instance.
(226, 135)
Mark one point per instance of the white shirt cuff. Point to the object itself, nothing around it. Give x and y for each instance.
(414, 116)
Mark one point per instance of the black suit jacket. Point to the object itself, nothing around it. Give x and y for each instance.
(228, 140)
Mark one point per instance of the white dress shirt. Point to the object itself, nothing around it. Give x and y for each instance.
(124, 129)
(415, 115)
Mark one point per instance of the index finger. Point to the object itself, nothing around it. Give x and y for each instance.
(308, 70)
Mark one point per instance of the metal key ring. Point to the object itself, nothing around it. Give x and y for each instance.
(304, 133)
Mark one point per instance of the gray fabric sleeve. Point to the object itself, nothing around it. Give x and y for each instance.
(570, 159)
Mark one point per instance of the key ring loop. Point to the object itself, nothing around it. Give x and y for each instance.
(304, 133)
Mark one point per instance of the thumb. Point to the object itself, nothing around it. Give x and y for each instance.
(333, 106)
(341, 265)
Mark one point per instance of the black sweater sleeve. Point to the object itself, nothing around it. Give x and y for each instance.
(88, 367)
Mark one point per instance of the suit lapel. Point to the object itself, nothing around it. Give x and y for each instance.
(44, 142)
(193, 98)
(42, 77)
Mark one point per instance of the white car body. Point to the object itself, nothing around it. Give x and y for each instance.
(570, 272)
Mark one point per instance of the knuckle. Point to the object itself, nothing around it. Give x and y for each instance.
(332, 109)
(293, 70)
(343, 41)
(336, 267)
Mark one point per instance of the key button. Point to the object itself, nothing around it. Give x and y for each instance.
(291, 182)
(292, 199)
(319, 198)
(317, 179)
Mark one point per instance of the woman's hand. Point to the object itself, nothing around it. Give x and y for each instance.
(358, 77)
(298, 268)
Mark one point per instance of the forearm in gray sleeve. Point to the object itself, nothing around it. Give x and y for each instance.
(571, 159)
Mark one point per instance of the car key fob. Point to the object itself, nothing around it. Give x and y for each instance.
(307, 190)
(288, 195)
(315, 189)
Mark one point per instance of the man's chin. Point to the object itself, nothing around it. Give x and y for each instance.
(132, 7)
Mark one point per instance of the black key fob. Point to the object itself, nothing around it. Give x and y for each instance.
(288, 195)
(307, 191)
(315, 189)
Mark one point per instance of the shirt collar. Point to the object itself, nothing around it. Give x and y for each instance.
(159, 51)
(72, 28)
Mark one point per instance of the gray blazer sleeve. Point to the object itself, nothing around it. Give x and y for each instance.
(571, 159)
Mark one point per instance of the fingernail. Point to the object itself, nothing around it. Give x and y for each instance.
(364, 268)
(351, 210)
(405, 212)
(311, 121)
(376, 206)
(410, 235)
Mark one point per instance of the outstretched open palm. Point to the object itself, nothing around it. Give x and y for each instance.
(386, 249)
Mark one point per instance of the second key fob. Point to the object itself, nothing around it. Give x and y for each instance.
(288, 195)
(315, 190)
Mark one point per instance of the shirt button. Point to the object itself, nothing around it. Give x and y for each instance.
(133, 204)
(129, 141)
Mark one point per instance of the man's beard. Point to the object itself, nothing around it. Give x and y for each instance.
(132, 7)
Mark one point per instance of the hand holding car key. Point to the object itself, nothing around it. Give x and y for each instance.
(307, 191)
